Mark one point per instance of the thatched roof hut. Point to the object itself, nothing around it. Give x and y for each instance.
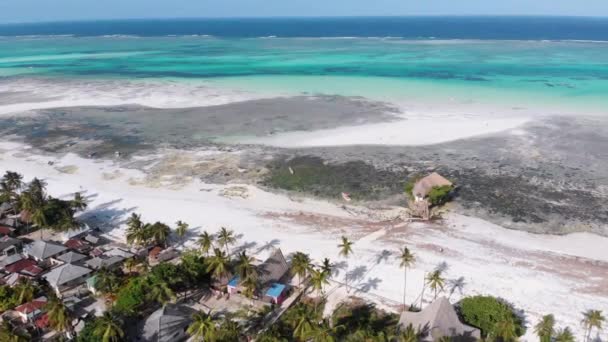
(424, 185)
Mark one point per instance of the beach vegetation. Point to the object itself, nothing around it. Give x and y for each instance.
(205, 242)
(545, 328)
(10, 333)
(592, 319)
(225, 237)
(9, 298)
(345, 250)
(181, 229)
(436, 282)
(409, 186)
(203, 327)
(60, 318)
(107, 328)
(439, 195)
(492, 316)
(300, 265)
(564, 335)
(406, 260)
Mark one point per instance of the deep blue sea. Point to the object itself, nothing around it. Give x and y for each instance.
(511, 28)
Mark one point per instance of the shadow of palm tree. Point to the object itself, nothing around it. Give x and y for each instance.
(269, 245)
(456, 284)
(356, 274)
(442, 266)
(106, 216)
(245, 246)
(370, 284)
(337, 267)
(383, 256)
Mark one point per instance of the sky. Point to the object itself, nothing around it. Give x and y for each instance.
(57, 10)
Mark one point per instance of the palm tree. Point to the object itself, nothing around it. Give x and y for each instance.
(9, 333)
(130, 264)
(592, 319)
(79, 203)
(407, 259)
(303, 324)
(245, 267)
(218, 264)
(159, 232)
(436, 281)
(25, 290)
(37, 188)
(182, 228)
(205, 241)
(226, 237)
(202, 328)
(505, 330)
(136, 232)
(346, 249)
(318, 279)
(159, 290)
(10, 185)
(134, 221)
(564, 335)
(409, 334)
(300, 265)
(107, 282)
(324, 332)
(59, 316)
(39, 219)
(108, 328)
(13, 180)
(545, 328)
(250, 285)
(327, 266)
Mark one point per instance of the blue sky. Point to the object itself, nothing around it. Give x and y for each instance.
(50, 10)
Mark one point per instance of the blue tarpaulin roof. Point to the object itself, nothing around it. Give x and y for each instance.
(234, 282)
(275, 290)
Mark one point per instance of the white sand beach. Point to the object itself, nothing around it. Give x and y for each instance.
(409, 131)
(563, 275)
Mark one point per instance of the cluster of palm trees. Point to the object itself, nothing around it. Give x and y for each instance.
(41, 209)
(223, 239)
(143, 234)
(546, 331)
(209, 327)
(220, 264)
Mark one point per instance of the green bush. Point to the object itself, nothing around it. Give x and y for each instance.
(485, 312)
(8, 298)
(439, 194)
(409, 186)
(131, 297)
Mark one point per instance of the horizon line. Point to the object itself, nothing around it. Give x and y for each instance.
(308, 17)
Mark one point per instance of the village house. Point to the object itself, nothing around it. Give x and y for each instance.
(71, 257)
(437, 320)
(168, 324)
(7, 230)
(24, 267)
(10, 246)
(29, 311)
(43, 251)
(78, 245)
(421, 190)
(66, 276)
(271, 273)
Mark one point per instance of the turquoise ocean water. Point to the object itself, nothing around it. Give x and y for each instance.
(566, 73)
